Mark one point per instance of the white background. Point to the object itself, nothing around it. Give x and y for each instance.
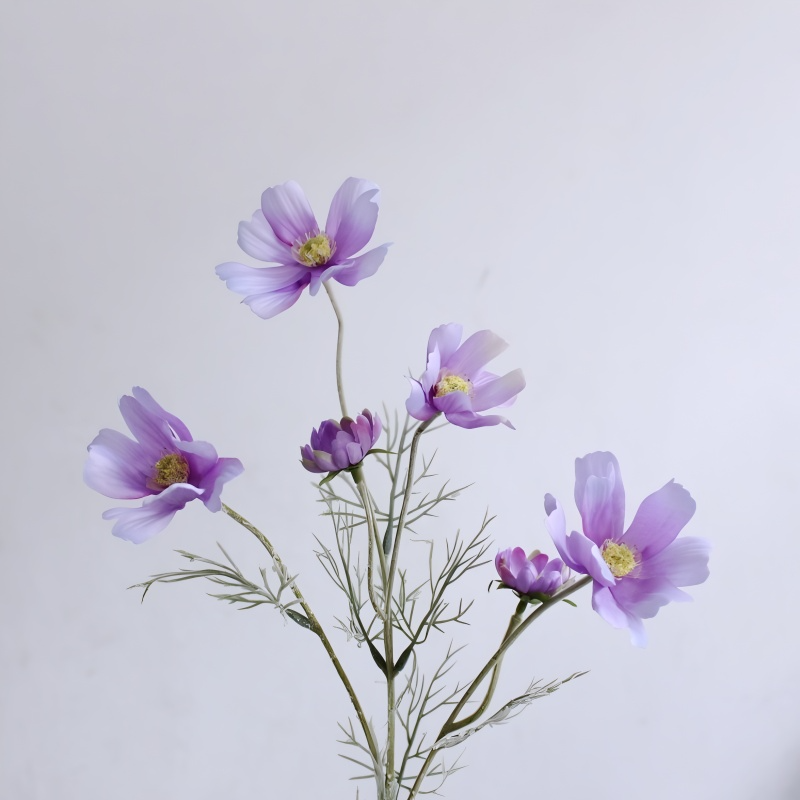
(611, 186)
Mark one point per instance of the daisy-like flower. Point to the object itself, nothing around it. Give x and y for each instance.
(455, 382)
(536, 575)
(636, 572)
(164, 465)
(285, 232)
(341, 445)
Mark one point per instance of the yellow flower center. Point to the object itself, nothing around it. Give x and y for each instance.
(315, 251)
(620, 559)
(172, 468)
(452, 383)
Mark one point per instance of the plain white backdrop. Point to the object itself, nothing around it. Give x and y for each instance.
(611, 186)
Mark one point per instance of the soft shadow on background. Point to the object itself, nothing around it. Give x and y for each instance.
(611, 186)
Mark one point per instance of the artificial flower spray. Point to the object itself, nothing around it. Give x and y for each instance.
(401, 747)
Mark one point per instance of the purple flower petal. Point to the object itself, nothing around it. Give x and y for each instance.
(499, 392)
(116, 467)
(579, 553)
(288, 213)
(352, 216)
(600, 496)
(445, 339)
(246, 280)
(270, 305)
(469, 419)
(363, 266)
(682, 563)
(417, 404)
(143, 522)
(477, 351)
(659, 520)
(258, 240)
(644, 598)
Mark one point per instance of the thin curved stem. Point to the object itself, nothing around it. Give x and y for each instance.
(388, 631)
(315, 626)
(372, 540)
(451, 725)
(339, 342)
(513, 624)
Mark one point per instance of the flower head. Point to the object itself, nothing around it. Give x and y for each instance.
(164, 465)
(285, 232)
(533, 576)
(341, 445)
(455, 382)
(640, 570)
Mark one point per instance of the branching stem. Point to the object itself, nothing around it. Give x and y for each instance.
(315, 626)
(451, 725)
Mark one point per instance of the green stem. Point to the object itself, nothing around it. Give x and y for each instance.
(451, 725)
(388, 630)
(315, 626)
(339, 341)
(372, 539)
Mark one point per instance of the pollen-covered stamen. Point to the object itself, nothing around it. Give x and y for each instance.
(315, 251)
(620, 559)
(452, 383)
(172, 468)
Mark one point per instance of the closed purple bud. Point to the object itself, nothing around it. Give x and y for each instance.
(536, 575)
(341, 445)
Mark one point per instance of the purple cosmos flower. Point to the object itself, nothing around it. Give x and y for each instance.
(164, 465)
(640, 570)
(536, 575)
(284, 231)
(455, 382)
(341, 445)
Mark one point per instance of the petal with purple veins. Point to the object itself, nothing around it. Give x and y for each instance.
(498, 393)
(363, 266)
(682, 563)
(258, 240)
(660, 518)
(352, 216)
(116, 466)
(477, 351)
(288, 212)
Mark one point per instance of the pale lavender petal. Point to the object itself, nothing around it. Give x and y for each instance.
(637, 631)
(606, 606)
(223, 471)
(288, 212)
(151, 431)
(318, 276)
(453, 402)
(469, 419)
(660, 518)
(177, 425)
(245, 280)
(363, 266)
(539, 562)
(499, 392)
(477, 351)
(258, 240)
(116, 466)
(417, 404)
(271, 304)
(352, 216)
(143, 522)
(682, 563)
(445, 339)
(556, 524)
(643, 598)
(602, 506)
